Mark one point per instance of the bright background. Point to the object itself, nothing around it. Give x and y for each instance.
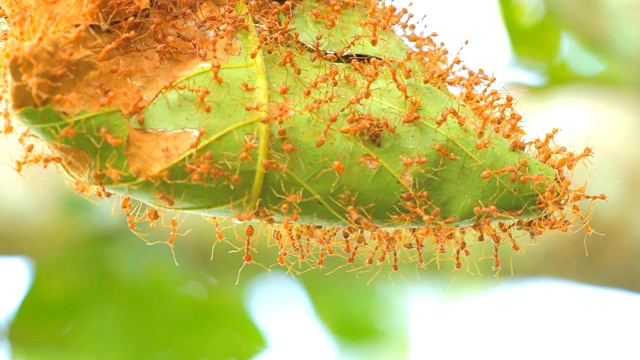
(95, 291)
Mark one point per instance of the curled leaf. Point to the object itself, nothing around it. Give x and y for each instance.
(310, 113)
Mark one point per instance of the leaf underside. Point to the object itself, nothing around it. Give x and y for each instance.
(334, 149)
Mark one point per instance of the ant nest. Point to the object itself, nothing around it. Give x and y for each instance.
(338, 125)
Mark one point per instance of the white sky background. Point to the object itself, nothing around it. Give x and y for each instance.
(16, 276)
(532, 319)
(481, 24)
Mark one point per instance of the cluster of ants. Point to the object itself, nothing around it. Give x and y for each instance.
(121, 59)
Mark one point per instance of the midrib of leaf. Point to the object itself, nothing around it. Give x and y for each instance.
(262, 91)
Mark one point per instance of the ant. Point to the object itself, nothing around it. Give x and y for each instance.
(126, 208)
(247, 258)
(172, 236)
(292, 198)
(337, 167)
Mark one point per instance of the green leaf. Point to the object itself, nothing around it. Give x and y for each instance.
(312, 131)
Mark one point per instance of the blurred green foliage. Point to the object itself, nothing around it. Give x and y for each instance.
(575, 40)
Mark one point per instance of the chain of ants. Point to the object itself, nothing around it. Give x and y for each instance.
(305, 243)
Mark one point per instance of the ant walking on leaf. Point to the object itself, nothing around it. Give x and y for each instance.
(290, 199)
(337, 167)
